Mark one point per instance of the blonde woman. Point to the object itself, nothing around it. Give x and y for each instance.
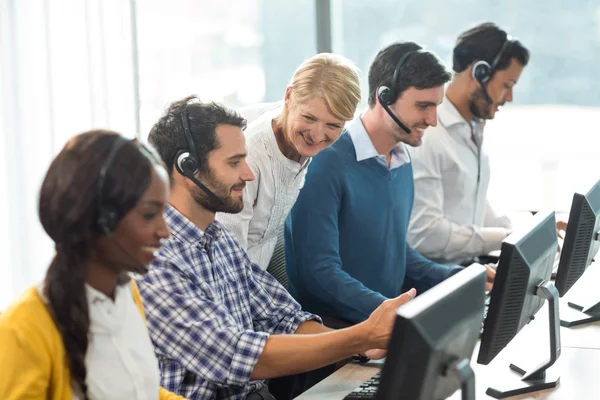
(282, 138)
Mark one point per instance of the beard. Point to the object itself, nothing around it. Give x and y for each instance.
(400, 135)
(229, 205)
(479, 105)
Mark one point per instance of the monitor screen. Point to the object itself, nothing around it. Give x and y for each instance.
(433, 332)
(581, 239)
(526, 260)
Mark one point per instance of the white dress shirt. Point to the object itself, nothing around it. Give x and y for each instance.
(452, 219)
(120, 359)
(269, 198)
(365, 149)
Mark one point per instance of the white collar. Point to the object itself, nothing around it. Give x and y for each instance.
(271, 141)
(364, 148)
(449, 116)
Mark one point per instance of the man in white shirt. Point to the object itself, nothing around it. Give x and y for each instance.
(452, 220)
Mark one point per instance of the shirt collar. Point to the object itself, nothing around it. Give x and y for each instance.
(186, 231)
(95, 296)
(449, 116)
(364, 148)
(273, 147)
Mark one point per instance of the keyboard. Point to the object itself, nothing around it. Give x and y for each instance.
(555, 265)
(485, 311)
(367, 390)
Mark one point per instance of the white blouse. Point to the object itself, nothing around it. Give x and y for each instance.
(270, 197)
(120, 359)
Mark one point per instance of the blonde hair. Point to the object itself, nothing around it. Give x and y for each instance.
(331, 77)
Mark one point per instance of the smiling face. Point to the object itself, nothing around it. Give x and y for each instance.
(310, 127)
(417, 109)
(226, 172)
(141, 230)
(499, 88)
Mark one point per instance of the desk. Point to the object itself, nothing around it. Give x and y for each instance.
(578, 378)
(577, 365)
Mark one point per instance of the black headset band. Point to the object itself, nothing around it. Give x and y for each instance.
(403, 60)
(116, 146)
(187, 134)
(496, 60)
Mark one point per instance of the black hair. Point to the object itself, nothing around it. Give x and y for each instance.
(167, 134)
(422, 70)
(483, 42)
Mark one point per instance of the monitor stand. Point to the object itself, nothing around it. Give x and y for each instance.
(465, 375)
(591, 311)
(537, 379)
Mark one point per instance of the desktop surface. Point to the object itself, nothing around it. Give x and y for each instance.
(578, 363)
(578, 366)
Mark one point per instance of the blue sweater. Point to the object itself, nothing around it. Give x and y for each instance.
(345, 238)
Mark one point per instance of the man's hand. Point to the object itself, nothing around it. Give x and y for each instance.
(381, 321)
(491, 276)
(376, 354)
(561, 226)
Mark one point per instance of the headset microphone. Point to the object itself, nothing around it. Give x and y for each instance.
(386, 107)
(143, 268)
(482, 70)
(487, 96)
(387, 96)
(108, 213)
(186, 161)
(186, 165)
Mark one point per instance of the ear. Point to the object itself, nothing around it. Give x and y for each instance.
(469, 72)
(287, 97)
(377, 102)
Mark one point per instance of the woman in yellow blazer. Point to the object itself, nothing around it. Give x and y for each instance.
(81, 333)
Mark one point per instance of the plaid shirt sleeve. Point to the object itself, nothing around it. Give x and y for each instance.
(198, 333)
(274, 310)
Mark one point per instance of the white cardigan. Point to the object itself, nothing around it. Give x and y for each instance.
(270, 197)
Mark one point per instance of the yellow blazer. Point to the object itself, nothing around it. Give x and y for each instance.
(33, 363)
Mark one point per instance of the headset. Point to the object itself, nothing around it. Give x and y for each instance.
(108, 213)
(186, 161)
(388, 96)
(482, 70)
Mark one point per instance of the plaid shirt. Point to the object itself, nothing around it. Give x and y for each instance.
(210, 311)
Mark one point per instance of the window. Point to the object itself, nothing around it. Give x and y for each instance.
(238, 52)
(544, 145)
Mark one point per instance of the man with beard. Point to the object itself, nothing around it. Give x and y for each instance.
(345, 238)
(219, 323)
(452, 221)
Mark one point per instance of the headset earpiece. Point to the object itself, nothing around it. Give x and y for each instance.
(108, 218)
(185, 164)
(186, 161)
(481, 71)
(385, 95)
(108, 214)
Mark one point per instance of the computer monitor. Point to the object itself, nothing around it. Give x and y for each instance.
(579, 249)
(521, 285)
(433, 341)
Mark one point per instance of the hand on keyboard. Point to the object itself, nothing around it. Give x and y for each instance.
(380, 324)
(491, 275)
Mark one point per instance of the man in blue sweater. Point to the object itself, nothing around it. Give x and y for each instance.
(345, 238)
